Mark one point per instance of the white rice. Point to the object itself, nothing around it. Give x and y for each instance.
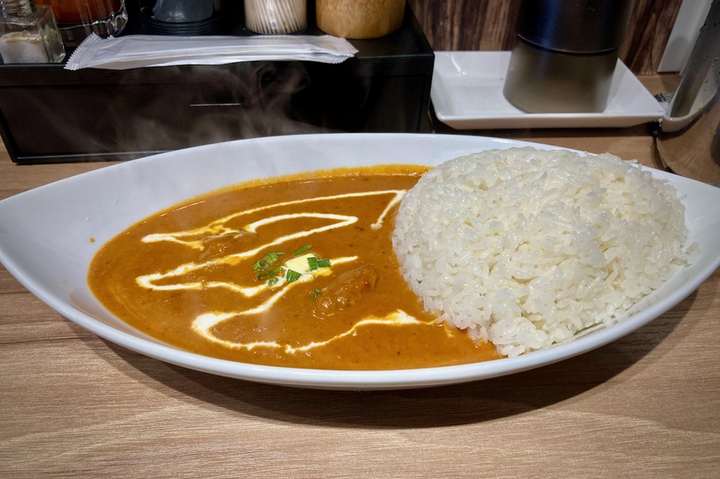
(526, 248)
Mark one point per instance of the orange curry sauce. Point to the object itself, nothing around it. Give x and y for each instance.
(190, 277)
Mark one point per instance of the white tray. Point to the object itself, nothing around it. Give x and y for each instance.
(467, 94)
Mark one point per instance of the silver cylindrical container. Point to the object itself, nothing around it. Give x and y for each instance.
(689, 138)
(565, 54)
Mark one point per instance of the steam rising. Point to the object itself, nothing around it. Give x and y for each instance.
(160, 109)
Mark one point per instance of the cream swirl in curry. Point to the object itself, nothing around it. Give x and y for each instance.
(231, 275)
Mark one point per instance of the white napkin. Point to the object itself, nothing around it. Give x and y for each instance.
(134, 51)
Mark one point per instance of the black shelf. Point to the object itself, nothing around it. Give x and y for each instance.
(49, 114)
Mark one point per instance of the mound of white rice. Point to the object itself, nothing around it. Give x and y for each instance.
(527, 247)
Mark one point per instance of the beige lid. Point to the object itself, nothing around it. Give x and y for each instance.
(359, 19)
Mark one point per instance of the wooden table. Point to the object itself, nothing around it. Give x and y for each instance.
(72, 404)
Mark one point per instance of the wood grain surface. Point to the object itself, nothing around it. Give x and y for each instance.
(74, 405)
(648, 33)
(490, 25)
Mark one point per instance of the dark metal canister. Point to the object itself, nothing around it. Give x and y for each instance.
(565, 55)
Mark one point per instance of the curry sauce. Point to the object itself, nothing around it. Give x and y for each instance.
(299, 272)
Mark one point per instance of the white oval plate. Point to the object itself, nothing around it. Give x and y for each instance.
(44, 241)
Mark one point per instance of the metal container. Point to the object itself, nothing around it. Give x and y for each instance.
(689, 138)
(565, 55)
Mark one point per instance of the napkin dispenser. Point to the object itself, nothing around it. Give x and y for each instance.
(49, 114)
(565, 54)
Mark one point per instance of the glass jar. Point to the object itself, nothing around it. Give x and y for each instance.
(275, 16)
(29, 33)
(79, 18)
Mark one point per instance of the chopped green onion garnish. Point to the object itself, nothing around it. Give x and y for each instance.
(312, 263)
(277, 271)
(261, 275)
(302, 250)
(314, 294)
(260, 265)
(291, 276)
(272, 281)
(271, 257)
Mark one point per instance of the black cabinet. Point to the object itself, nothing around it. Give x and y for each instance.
(49, 114)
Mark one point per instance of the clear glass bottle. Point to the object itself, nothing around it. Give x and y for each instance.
(29, 33)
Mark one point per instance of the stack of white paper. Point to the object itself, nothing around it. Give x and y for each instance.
(134, 51)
